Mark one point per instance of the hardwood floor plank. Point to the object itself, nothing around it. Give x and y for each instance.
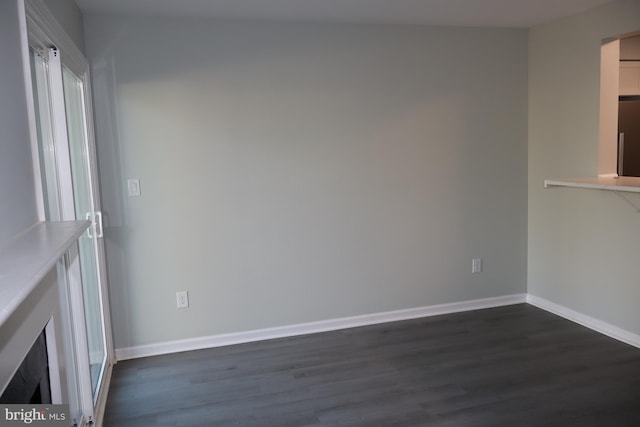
(507, 366)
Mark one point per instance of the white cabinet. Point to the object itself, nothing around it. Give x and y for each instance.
(629, 77)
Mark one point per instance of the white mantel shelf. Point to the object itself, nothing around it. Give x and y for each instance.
(27, 258)
(623, 183)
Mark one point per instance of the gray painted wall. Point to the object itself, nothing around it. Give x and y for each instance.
(17, 192)
(583, 244)
(300, 172)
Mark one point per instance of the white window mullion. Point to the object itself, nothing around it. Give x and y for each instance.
(60, 137)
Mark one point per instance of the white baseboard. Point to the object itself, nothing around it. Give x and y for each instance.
(587, 321)
(313, 327)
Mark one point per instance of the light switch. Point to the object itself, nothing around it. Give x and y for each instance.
(134, 187)
(476, 266)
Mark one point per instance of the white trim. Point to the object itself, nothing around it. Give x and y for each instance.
(587, 321)
(313, 327)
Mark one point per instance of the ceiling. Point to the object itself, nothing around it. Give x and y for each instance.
(476, 13)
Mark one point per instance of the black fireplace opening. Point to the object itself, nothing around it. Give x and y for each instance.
(30, 383)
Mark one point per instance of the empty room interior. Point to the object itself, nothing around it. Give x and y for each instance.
(321, 213)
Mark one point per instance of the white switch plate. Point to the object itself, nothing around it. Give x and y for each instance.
(476, 266)
(133, 185)
(182, 299)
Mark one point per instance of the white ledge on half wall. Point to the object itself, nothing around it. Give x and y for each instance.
(27, 258)
(622, 183)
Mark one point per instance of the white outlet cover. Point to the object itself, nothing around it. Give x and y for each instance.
(182, 299)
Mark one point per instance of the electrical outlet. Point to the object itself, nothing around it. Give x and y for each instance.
(476, 266)
(182, 299)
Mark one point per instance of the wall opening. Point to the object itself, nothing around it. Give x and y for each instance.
(619, 149)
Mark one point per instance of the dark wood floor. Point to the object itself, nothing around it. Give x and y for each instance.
(508, 366)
